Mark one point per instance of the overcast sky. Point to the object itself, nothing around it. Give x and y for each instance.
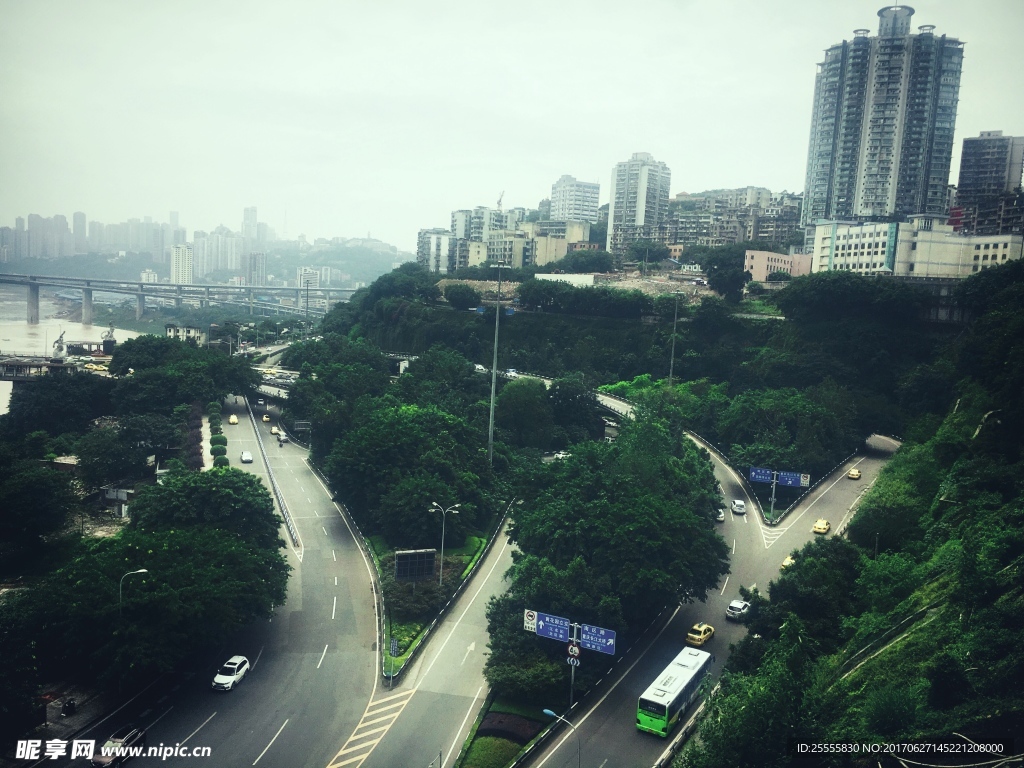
(381, 117)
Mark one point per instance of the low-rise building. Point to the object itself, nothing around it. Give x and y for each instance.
(761, 264)
(926, 246)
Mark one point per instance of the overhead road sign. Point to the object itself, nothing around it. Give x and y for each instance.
(555, 627)
(597, 639)
(794, 479)
(760, 475)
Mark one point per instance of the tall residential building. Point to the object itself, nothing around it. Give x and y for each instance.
(639, 197)
(181, 264)
(254, 268)
(573, 200)
(990, 166)
(78, 231)
(882, 123)
(434, 248)
(249, 229)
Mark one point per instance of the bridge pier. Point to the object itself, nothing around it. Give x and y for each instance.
(252, 299)
(140, 306)
(33, 304)
(87, 306)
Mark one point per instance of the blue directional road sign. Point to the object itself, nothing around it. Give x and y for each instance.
(597, 639)
(794, 479)
(760, 475)
(554, 627)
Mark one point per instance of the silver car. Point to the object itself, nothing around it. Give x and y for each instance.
(246, 457)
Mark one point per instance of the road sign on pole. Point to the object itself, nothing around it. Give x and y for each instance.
(530, 620)
(760, 475)
(597, 639)
(574, 650)
(572, 661)
(555, 627)
(794, 479)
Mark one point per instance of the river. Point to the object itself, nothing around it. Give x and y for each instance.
(17, 337)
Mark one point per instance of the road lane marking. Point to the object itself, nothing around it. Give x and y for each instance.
(470, 605)
(148, 727)
(469, 712)
(376, 720)
(324, 530)
(334, 608)
(335, 556)
(271, 742)
(734, 546)
(335, 579)
(316, 513)
(197, 730)
(322, 655)
(724, 586)
(258, 657)
(472, 647)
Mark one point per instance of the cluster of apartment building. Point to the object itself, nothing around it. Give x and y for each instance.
(876, 199)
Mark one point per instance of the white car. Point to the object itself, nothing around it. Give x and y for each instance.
(739, 507)
(737, 609)
(231, 673)
(246, 457)
(512, 373)
(562, 455)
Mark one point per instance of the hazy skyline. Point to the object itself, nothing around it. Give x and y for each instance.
(382, 119)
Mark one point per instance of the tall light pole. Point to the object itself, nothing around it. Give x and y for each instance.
(672, 359)
(120, 586)
(549, 713)
(494, 372)
(454, 509)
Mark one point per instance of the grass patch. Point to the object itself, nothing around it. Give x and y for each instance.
(758, 307)
(509, 707)
(490, 752)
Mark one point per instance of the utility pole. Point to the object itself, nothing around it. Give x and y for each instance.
(494, 371)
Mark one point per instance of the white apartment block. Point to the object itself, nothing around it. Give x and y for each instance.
(573, 200)
(148, 276)
(639, 197)
(433, 249)
(181, 264)
(924, 247)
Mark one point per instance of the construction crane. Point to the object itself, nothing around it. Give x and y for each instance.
(500, 198)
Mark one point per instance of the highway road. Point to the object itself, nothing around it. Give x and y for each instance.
(606, 722)
(314, 662)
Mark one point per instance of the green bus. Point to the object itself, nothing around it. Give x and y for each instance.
(672, 692)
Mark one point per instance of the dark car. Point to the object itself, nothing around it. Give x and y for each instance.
(124, 738)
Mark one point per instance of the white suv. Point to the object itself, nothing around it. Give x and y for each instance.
(739, 506)
(231, 673)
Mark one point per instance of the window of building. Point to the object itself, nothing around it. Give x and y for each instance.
(977, 247)
(974, 268)
(975, 255)
(910, 267)
(913, 246)
(986, 246)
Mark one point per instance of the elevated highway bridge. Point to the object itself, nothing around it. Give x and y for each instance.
(301, 301)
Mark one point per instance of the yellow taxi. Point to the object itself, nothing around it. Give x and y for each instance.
(274, 430)
(853, 474)
(266, 418)
(700, 634)
(788, 561)
(232, 419)
(822, 526)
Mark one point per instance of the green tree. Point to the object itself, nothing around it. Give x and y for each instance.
(524, 412)
(104, 456)
(34, 501)
(229, 499)
(462, 296)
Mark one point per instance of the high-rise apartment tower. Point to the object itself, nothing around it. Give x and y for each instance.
(990, 165)
(181, 264)
(882, 124)
(573, 200)
(639, 197)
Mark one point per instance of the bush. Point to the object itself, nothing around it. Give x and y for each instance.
(219, 440)
(215, 421)
(222, 461)
(218, 450)
(213, 407)
(216, 430)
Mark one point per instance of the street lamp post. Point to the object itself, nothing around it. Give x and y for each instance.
(120, 586)
(494, 372)
(672, 359)
(549, 713)
(454, 509)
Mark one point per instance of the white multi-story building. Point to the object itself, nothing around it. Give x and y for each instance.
(882, 124)
(434, 249)
(182, 270)
(148, 276)
(573, 200)
(639, 198)
(249, 223)
(923, 247)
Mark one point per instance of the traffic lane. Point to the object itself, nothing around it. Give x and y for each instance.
(448, 676)
(608, 727)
